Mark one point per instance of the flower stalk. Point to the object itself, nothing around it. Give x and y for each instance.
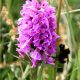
(58, 14)
(57, 30)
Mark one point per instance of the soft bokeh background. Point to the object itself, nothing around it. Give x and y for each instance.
(13, 68)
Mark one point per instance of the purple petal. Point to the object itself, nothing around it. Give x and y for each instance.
(34, 63)
(36, 55)
(49, 60)
(21, 53)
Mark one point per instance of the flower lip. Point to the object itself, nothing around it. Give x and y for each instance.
(36, 55)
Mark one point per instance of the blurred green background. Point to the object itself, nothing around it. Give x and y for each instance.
(13, 68)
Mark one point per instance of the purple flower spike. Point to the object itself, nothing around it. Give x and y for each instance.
(36, 29)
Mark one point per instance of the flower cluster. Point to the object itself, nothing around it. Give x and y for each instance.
(36, 29)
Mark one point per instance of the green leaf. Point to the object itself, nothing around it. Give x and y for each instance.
(78, 64)
(10, 76)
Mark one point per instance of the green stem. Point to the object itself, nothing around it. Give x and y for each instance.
(40, 70)
(50, 70)
(58, 20)
(34, 74)
(58, 14)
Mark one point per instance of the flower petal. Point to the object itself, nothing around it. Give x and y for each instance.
(36, 55)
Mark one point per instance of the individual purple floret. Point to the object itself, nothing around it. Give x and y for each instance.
(36, 29)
